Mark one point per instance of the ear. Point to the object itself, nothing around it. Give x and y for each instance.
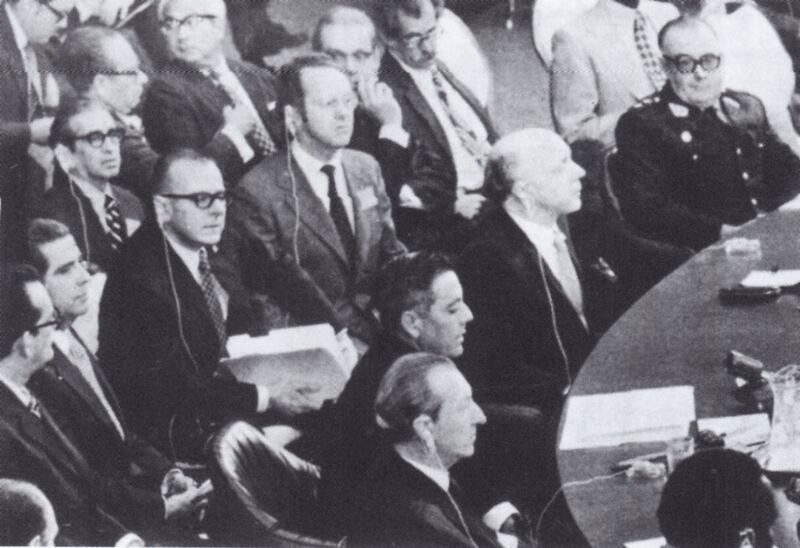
(411, 323)
(163, 210)
(422, 428)
(26, 343)
(64, 156)
(293, 119)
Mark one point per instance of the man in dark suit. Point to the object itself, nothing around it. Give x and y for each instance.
(32, 447)
(26, 516)
(164, 318)
(86, 140)
(202, 100)
(695, 161)
(409, 499)
(442, 114)
(320, 203)
(84, 406)
(28, 92)
(100, 63)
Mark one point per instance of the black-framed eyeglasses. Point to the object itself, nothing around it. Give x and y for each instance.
(60, 15)
(190, 21)
(414, 39)
(97, 139)
(203, 200)
(686, 64)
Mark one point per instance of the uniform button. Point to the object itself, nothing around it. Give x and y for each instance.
(695, 157)
(738, 151)
(745, 176)
(760, 145)
(754, 202)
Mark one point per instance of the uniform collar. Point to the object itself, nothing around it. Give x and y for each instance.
(682, 109)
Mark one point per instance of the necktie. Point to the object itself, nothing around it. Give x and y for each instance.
(33, 407)
(467, 136)
(211, 291)
(117, 230)
(339, 214)
(567, 275)
(259, 138)
(34, 82)
(650, 60)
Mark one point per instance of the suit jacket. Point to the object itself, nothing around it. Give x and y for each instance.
(67, 203)
(162, 363)
(80, 414)
(432, 173)
(183, 108)
(511, 352)
(404, 508)
(261, 227)
(34, 450)
(597, 73)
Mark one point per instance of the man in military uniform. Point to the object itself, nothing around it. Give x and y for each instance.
(694, 161)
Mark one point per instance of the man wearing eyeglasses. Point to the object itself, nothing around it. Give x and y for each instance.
(697, 161)
(100, 63)
(204, 101)
(440, 112)
(29, 93)
(102, 216)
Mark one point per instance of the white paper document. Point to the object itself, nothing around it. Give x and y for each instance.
(768, 278)
(659, 542)
(288, 340)
(636, 416)
(740, 430)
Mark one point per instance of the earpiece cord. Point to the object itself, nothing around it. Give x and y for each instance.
(82, 213)
(555, 324)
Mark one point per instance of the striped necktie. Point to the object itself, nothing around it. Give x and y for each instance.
(467, 136)
(211, 292)
(115, 222)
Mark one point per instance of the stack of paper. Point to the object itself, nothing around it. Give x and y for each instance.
(636, 416)
(659, 542)
(768, 278)
(740, 431)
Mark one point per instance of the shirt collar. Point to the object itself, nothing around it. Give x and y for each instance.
(415, 72)
(21, 392)
(189, 256)
(20, 37)
(311, 164)
(439, 477)
(91, 191)
(543, 233)
(221, 68)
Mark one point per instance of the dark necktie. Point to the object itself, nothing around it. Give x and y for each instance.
(652, 66)
(117, 230)
(258, 138)
(211, 292)
(469, 140)
(567, 275)
(339, 214)
(34, 82)
(33, 407)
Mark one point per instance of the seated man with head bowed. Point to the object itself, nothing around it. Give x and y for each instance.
(426, 409)
(86, 139)
(718, 498)
(26, 516)
(697, 161)
(165, 318)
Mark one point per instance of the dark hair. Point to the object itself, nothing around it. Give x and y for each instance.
(290, 83)
(405, 393)
(160, 176)
(41, 232)
(22, 512)
(341, 15)
(85, 54)
(61, 131)
(711, 497)
(404, 283)
(686, 20)
(385, 14)
(17, 313)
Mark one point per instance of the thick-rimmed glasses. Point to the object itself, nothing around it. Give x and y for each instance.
(414, 39)
(190, 21)
(686, 64)
(203, 200)
(97, 138)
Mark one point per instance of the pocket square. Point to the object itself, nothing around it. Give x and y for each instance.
(367, 198)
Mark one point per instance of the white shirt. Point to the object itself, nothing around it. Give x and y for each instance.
(20, 38)
(469, 172)
(96, 197)
(312, 169)
(191, 258)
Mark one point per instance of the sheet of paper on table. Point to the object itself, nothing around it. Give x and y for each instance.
(659, 542)
(768, 278)
(636, 416)
(739, 430)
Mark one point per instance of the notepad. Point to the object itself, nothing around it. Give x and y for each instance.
(635, 416)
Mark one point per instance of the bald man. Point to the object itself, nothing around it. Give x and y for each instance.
(204, 101)
(696, 161)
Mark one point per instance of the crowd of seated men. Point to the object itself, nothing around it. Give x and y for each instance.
(467, 274)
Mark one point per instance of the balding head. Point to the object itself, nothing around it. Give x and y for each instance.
(194, 30)
(534, 168)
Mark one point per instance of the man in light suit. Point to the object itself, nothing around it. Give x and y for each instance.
(164, 318)
(442, 114)
(204, 101)
(319, 202)
(86, 140)
(84, 406)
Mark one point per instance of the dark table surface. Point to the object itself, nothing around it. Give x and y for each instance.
(679, 334)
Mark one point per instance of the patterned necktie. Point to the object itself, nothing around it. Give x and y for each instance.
(258, 138)
(466, 135)
(34, 82)
(211, 292)
(117, 230)
(339, 214)
(567, 275)
(652, 66)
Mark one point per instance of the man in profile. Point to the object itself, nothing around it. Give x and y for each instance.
(26, 516)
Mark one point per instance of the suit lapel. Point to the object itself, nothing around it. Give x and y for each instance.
(254, 89)
(471, 100)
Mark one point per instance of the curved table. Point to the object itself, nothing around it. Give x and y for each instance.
(679, 334)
